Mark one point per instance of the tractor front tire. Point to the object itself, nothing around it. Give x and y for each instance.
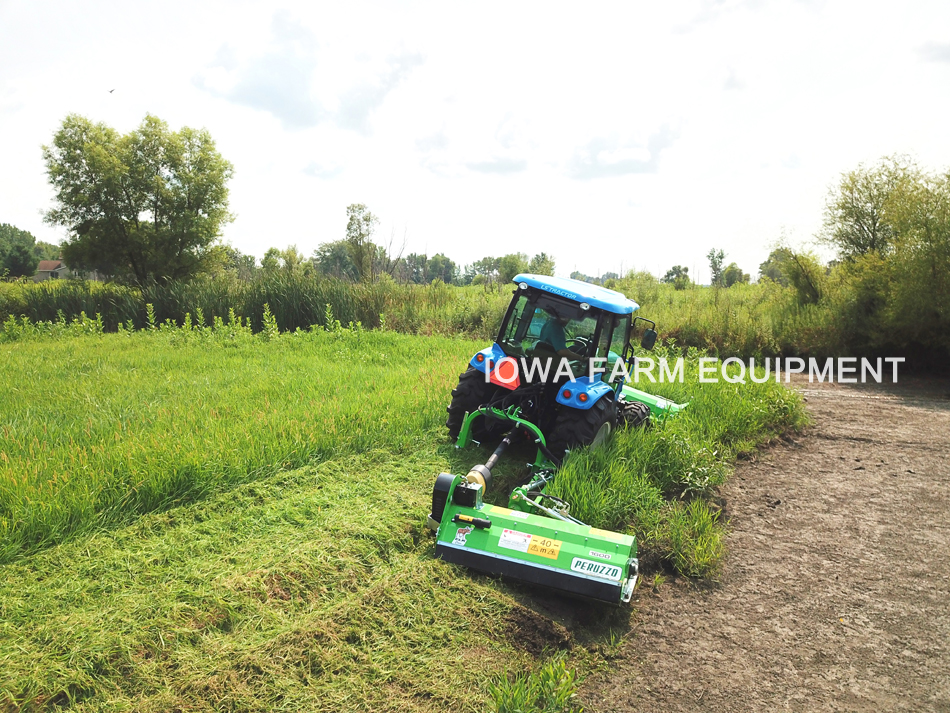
(471, 392)
(575, 427)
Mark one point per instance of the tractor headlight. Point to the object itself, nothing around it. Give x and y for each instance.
(585, 306)
(522, 285)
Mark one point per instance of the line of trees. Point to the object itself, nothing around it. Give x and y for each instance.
(20, 252)
(356, 258)
(148, 207)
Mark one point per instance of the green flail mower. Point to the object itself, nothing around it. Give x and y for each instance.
(535, 539)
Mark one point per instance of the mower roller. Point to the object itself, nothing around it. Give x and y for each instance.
(535, 539)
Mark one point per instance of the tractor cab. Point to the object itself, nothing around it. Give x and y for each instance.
(544, 325)
(555, 318)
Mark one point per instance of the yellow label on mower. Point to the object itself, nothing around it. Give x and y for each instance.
(544, 547)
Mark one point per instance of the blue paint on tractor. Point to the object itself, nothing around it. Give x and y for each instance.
(577, 291)
(593, 388)
(490, 357)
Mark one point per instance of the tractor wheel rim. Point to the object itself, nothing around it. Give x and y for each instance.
(602, 433)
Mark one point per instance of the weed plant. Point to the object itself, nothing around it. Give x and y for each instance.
(552, 689)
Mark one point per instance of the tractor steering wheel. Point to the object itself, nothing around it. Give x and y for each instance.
(579, 345)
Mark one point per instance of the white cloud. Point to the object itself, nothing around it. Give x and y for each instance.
(605, 158)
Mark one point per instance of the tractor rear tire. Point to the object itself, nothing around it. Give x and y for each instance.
(635, 414)
(471, 392)
(575, 427)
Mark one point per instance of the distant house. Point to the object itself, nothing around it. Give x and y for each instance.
(51, 270)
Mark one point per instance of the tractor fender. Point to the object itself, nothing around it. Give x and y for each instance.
(570, 392)
(490, 357)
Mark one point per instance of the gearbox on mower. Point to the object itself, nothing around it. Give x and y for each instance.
(554, 376)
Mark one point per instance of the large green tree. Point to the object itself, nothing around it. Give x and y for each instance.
(510, 265)
(440, 267)
(772, 267)
(18, 256)
(733, 275)
(144, 206)
(541, 264)
(333, 260)
(678, 276)
(857, 217)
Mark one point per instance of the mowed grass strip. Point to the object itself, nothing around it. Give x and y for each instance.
(307, 590)
(97, 430)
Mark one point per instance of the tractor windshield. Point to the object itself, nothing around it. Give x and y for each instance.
(541, 326)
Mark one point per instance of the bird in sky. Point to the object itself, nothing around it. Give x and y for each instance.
(111, 90)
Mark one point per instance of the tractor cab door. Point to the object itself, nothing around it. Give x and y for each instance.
(614, 334)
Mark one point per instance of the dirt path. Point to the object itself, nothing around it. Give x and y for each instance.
(835, 594)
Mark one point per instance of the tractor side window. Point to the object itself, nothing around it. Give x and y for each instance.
(612, 344)
(606, 335)
(518, 325)
(618, 341)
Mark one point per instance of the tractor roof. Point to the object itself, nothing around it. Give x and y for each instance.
(594, 295)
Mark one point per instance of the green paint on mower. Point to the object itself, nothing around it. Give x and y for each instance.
(660, 408)
(534, 539)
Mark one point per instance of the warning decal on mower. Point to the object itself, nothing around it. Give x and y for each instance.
(460, 535)
(545, 547)
(514, 540)
(596, 569)
(531, 544)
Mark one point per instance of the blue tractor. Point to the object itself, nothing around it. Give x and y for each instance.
(554, 376)
(554, 363)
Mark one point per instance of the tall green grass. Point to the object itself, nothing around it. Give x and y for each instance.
(659, 481)
(98, 429)
(743, 320)
(296, 301)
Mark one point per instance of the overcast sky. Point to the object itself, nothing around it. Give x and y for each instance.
(611, 135)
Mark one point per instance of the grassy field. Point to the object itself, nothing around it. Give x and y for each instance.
(206, 519)
(101, 428)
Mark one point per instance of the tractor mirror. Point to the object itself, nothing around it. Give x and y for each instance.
(649, 339)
